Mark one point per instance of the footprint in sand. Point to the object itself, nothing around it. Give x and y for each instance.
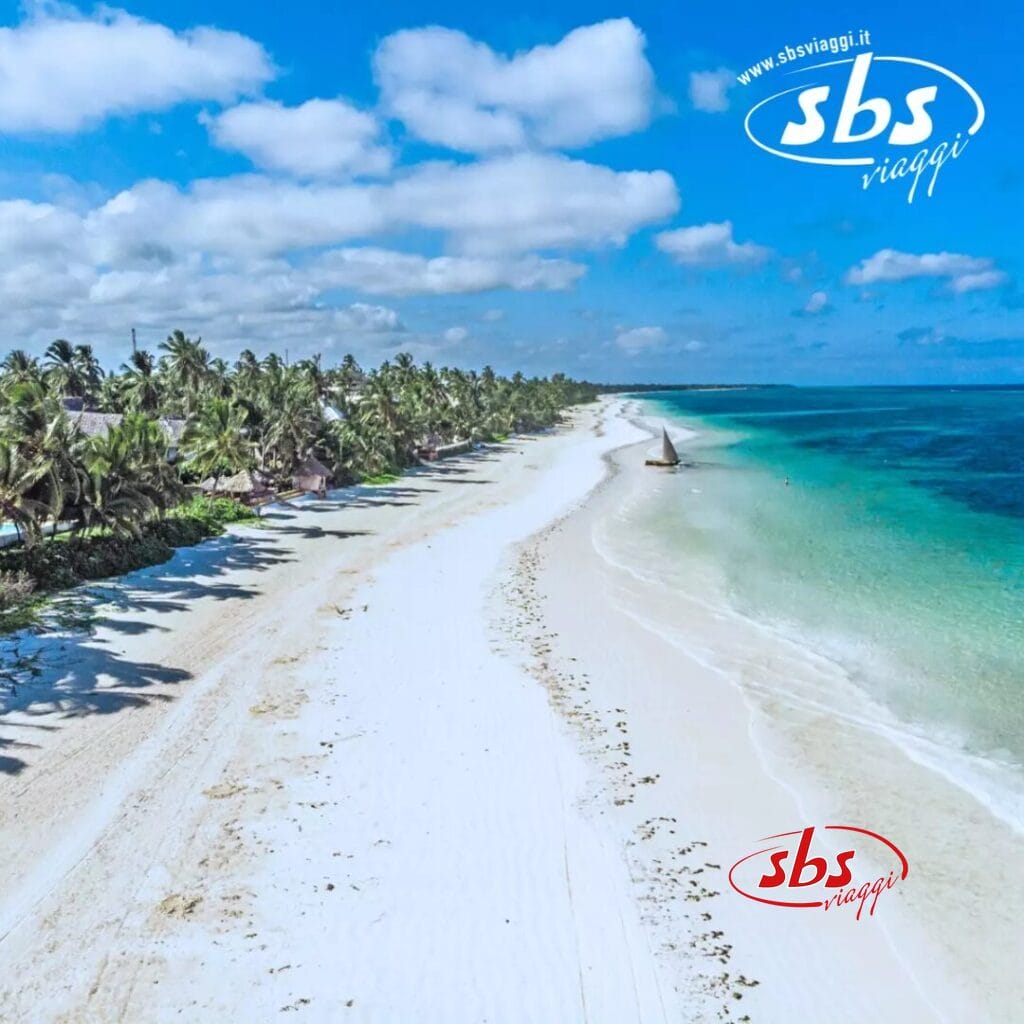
(179, 905)
(223, 790)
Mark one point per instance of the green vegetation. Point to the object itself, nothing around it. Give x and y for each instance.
(122, 485)
(72, 558)
(377, 479)
(18, 600)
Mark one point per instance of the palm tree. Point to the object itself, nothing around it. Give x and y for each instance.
(265, 413)
(20, 366)
(141, 385)
(89, 370)
(36, 422)
(64, 372)
(381, 422)
(216, 442)
(126, 483)
(247, 374)
(20, 474)
(293, 422)
(188, 365)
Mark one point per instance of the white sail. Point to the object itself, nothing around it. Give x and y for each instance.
(668, 451)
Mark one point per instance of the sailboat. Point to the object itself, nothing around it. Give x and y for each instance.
(669, 455)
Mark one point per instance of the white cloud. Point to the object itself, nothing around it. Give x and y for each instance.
(245, 216)
(709, 90)
(503, 205)
(56, 278)
(532, 201)
(63, 71)
(977, 282)
(456, 334)
(319, 138)
(492, 316)
(454, 91)
(386, 272)
(253, 256)
(235, 305)
(964, 273)
(363, 317)
(634, 340)
(817, 303)
(709, 245)
(693, 345)
(28, 229)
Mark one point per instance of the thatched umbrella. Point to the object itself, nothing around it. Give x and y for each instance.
(244, 483)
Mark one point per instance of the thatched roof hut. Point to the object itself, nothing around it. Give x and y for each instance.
(98, 424)
(244, 484)
(174, 428)
(312, 475)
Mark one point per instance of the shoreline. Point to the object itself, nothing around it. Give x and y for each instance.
(323, 779)
(734, 760)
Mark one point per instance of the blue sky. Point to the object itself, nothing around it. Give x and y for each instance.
(568, 187)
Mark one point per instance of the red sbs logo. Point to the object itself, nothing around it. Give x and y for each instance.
(790, 874)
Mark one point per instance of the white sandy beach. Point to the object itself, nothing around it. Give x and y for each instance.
(367, 763)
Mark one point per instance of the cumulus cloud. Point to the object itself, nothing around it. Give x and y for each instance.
(264, 256)
(503, 205)
(454, 91)
(242, 253)
(963, 273)
(816, 305)
(533, 201)
(319, 138)
(65, 273)
(361, 316)
(456, 334)
(980, 281)
(234, 304)
(634, 340)
(63, 71)
(386, 272)
(709, 245)
(709, 90)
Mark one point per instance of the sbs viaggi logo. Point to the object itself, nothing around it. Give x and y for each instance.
(899, 119)
(790, 872)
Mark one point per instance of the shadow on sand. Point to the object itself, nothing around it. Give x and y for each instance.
(62, 669)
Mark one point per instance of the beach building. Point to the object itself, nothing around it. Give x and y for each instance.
(97, 424)
(312, 475)
(246, 485)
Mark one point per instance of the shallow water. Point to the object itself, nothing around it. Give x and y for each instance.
(895, 550)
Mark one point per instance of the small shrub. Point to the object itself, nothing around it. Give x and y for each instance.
(15, 588)
(213, 512)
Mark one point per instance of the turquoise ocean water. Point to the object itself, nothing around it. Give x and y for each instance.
(896, 547)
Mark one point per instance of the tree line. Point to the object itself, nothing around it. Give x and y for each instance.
(257, 414)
